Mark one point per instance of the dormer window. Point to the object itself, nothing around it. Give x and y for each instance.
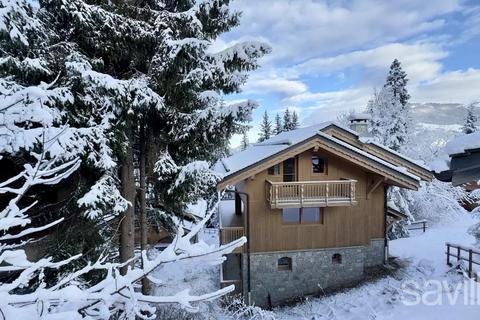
(274, 170)
(318, 164)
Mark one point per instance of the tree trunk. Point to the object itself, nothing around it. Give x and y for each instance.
(143, 202)
(127, 227)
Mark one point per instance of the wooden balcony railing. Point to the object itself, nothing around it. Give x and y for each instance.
(229, 234)
(311, 194)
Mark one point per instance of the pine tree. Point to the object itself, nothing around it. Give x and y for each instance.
(287, 120)
(265, 128)
(391, 125)
(391, 121)
(295, 122)
(81, 78)
(471, 119)
(278, 124)
(245, 143)
(397, 81)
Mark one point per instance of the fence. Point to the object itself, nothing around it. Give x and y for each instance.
(469, 255)
(418, 225)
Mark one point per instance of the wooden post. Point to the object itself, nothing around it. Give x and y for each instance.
(301, 194)
(351, 192)
(458, 254)
(470, 262)
(326, 193)
(448, 254)
(276, 196)
(270, 193)
(424, 223)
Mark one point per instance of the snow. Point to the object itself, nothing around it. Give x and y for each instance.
(455, 146)
(384, 298)
(263, 150)
(198, 209)
(404, 157)
(463, 143)
(359, 116)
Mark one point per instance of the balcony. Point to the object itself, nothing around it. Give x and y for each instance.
(229, 234)
(302, 194)
(231, 223)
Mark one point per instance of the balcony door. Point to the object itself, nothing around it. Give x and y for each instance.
(290, 170)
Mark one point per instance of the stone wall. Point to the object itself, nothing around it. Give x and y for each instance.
(312, 271)
(375, 253)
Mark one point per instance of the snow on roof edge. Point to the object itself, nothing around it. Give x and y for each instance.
(415, 162)
(401, 170)
(282, 147)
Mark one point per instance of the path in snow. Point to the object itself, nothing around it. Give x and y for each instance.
(383, 299)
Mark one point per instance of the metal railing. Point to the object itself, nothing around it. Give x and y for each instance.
(310, 193)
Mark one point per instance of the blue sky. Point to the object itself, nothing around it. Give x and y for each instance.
(328, 56)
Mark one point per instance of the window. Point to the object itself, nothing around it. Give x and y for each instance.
(289, 169)
(311, 215)
(284, 264)
(302, 215)
(337, 258)
(318, 164)
(274, 171)
(291, 215)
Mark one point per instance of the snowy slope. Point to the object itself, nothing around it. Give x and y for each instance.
(440, 113)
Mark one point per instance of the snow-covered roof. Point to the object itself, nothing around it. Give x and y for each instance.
(261, 151)
(463, 143)
(359, 116)
(455, 146)
(372, 141)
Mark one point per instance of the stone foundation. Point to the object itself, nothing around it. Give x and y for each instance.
(312, 271)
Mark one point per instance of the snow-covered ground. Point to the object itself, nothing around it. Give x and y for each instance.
(386, 298)
(422, 257)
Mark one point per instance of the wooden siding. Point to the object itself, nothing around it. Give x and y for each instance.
(342, 226)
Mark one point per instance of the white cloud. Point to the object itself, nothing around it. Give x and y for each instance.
(328, 105)
(275, 85)
(460, 86)
(419, 60)
(300, 30)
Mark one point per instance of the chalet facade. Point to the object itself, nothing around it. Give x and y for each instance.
(312, 203)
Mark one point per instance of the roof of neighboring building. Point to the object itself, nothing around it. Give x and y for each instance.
(456, 146)
(267, 149)
(463, 143)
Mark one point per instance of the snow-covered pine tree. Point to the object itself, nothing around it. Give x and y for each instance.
(295, 122)
(265, 128)
(397, 81)
(105, 69)
(278, 125)
(287, 120)
(391, 125)
(470, 125)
